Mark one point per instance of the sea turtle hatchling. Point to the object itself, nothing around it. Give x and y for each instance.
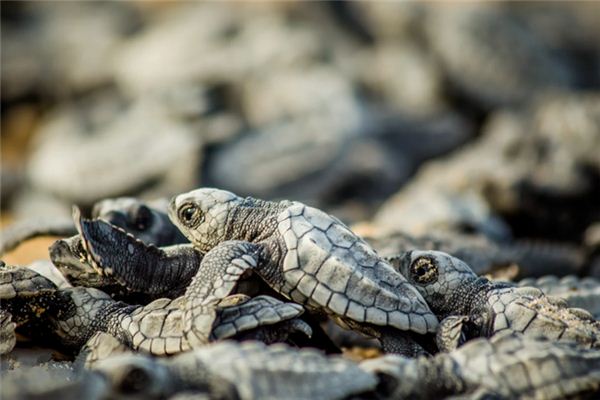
(252, 369)
(311, 258)
(470, 306)
(68, 318)
(507, 366)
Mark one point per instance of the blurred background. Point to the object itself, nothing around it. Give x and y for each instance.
(469, 118)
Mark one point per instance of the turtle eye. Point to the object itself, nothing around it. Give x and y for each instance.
(424, 270)
(190, 215)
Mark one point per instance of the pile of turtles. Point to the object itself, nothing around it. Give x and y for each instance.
(213, 295)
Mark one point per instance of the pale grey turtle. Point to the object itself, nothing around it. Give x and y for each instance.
(471, 306)
(312, 258)
(506, 366)
(251, 370)
(119, 255)
(577, 292)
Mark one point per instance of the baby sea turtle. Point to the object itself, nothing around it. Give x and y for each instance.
(69, 317)
(120, 256)
(474, 306)
(252, 369)
(310, 257)
(507, 366)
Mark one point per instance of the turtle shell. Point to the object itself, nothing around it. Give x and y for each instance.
(327, 266)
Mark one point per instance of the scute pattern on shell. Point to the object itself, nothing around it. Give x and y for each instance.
(326, 265)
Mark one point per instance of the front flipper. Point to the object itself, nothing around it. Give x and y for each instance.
(218, 275)
(451, 333)
(134, 264)
(257, 312)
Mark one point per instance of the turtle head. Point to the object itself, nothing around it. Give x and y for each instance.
(203, 215)
(434, 273)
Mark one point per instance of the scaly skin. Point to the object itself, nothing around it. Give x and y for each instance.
(507, 366)
(253, 370)
(307, 256)
(578, 292)
(72, 316)
(452, 290)
(139, 267)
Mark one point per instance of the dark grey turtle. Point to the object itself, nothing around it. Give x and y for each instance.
(309, 257)
(474, 306)
(146, 220)
(251, 369)
(507, 366)
(117, 254)
(577, 292)
(71, 259)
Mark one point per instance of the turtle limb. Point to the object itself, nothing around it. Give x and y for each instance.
(100, 346)
(219, 273)
(21, 282)
(392, 340)
(8, 338)
(139, 267)
(65, 318)
(24, 230)
(260, 312)
(451, 332)
(294, 331)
